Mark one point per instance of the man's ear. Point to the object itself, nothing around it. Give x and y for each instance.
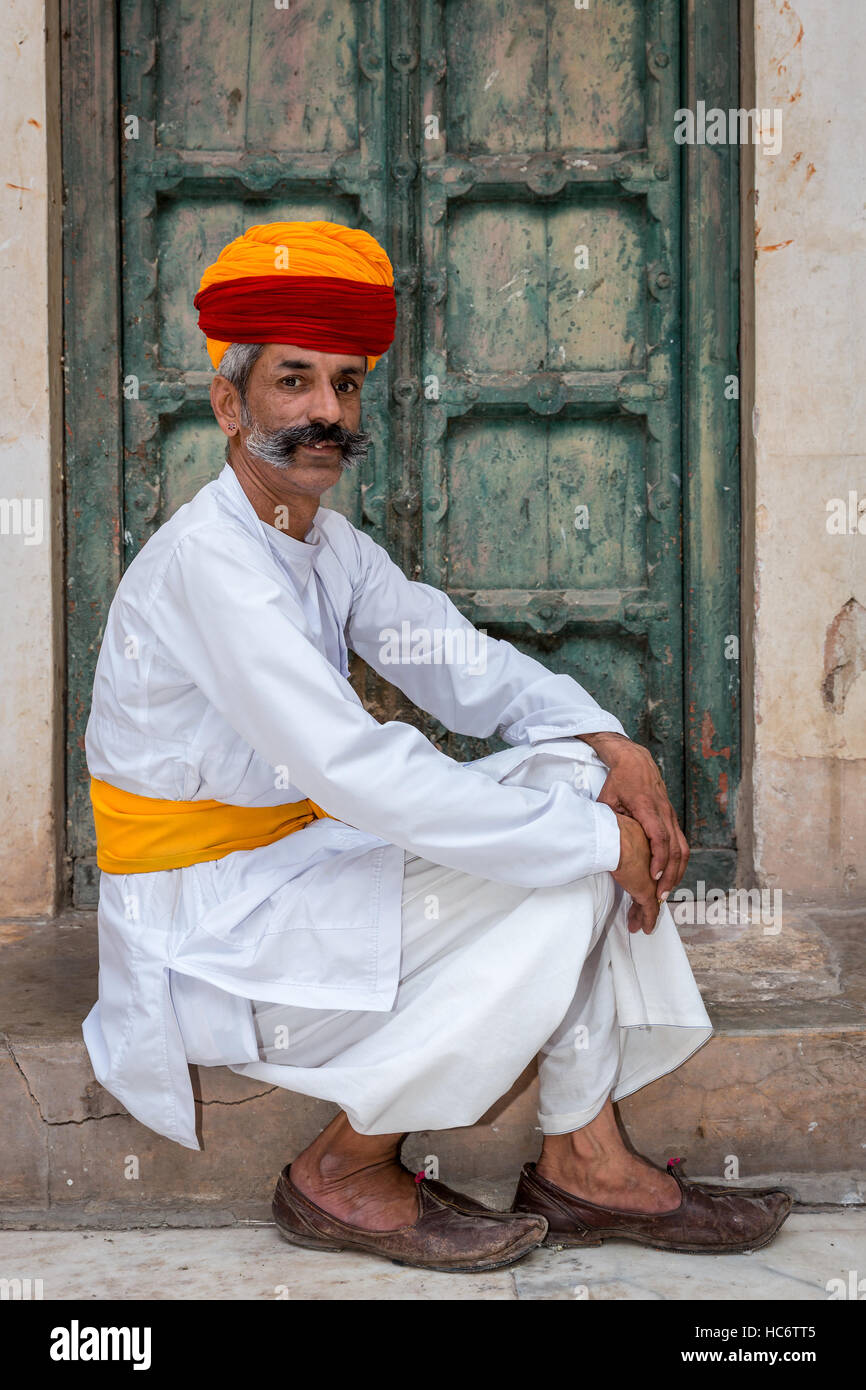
(226, 405)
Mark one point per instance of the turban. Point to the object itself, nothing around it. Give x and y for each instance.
(312, 284)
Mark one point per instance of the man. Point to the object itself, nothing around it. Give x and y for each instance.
(310, 897)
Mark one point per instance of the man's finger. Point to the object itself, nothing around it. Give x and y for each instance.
(667, 863)
(677, 860)
(652, 918)
(687, 854)
(643, 915)
(657, 833)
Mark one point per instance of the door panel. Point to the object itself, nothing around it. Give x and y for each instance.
(522, 294)
(544, 77)
(254, 77)
(516, 490)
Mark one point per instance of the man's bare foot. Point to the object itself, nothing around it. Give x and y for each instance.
(594, 1163)
(631, 1184)
(358, 1178)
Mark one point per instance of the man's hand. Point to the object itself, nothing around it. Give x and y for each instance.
(633, 872)
(634, 788)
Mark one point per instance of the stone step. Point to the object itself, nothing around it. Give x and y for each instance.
(775, 1095)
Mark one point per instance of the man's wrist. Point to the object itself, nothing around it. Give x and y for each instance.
(608, 745)
(609, 839)
(623, 832)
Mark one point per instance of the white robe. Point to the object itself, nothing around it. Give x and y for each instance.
(223, 674)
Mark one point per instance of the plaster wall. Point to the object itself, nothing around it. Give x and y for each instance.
(809, 773)
(31, 776)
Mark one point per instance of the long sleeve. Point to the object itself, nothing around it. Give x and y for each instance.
(236, 631)
(414, 636)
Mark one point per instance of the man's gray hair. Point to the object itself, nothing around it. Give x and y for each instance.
(237, 362)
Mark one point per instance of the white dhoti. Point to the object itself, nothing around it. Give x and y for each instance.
(491, 975)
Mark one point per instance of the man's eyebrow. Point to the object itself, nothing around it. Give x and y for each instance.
(305, 366)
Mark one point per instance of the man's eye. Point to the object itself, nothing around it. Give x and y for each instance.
(285, 380)
(352, 385)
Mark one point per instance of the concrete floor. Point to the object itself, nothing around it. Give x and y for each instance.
(253, 1262)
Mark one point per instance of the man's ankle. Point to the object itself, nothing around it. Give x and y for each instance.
(335, 1166)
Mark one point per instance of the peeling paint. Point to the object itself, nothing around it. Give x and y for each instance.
(708, 733)
(844, 654)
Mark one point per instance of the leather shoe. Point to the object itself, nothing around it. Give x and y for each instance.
(709, 1219)
(452, 1233)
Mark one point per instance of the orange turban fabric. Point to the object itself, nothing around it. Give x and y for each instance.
(313, 284)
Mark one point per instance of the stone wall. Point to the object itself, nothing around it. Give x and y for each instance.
(31, 672)
(809, 773)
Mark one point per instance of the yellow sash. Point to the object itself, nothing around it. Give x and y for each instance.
(138, 834)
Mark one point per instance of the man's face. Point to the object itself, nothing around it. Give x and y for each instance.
(304, 411)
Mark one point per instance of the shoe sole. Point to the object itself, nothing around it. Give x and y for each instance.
(564, 1242)
(479, 1267)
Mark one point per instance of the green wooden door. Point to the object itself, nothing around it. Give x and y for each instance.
(517, 162)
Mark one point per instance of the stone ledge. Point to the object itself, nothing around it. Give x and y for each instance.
(778, 1088)
(746, 961)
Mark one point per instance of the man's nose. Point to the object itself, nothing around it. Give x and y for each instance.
(325, 406)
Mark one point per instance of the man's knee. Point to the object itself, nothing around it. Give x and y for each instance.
(567, 912)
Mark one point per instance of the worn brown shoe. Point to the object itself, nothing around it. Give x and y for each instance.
(709, 1220)
(461, 1202)
(446, 1235)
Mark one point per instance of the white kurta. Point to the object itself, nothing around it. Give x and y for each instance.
(223, 674)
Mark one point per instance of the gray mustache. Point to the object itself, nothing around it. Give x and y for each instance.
(277, 447)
